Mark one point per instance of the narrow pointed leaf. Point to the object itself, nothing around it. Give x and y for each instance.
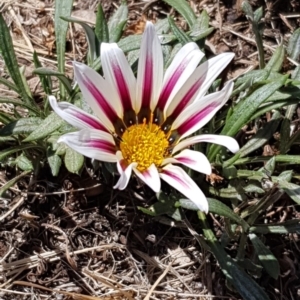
(24, 125)
(276, 61)
(182, 37)
(94, 49)
(62, 9)
(243, 283)
(117, 22)
(45, 80)
(184, 9)
(290, 226)
(292, 189)
(293, 48)
(245, 109)
(101, 28)
(50, 124)
(20, 103)
(61, 77)
(265, 256)
(12, 150)
(8, 54)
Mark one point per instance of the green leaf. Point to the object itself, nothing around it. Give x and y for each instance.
(9, 84)
(6, 118)
(276, 61)
(61, 77)
(94, 50)
(12, 150)
(182, 37)
(290, 226)
(293, 190)
(243, 112)
(12, 182)
(286, 175)
(293, 48)
(101, 28)
(265, 256)
(54, 162)
(258, 140)
(258, 14)
(201, 28)
(62, 9)
(245, 109)
(24, 163)
(17, 102)
(243, 283)
(247, 9)
(50, 124)
(45, 80)
(219, 208)
(285, 130)
(215, 207)
(269, 167)
(8, 54)
(117, 22)
(24, 125)
(184, 9)
(73, 161)
(289, 159)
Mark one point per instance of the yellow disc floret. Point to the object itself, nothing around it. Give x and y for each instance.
(145, 144)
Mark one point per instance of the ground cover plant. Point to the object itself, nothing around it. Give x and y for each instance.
(84, 214)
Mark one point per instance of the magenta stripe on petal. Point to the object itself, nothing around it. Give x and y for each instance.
(123, 88)
(89, 121)
(110, 113)
(148, 82)
(185, 160)
(102, 145)
(185, 100)
(193, 120)
(177, 178)
(167, 90)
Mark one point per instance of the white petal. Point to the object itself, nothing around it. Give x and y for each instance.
(118, 72)
(74, 115)
(230, 143)
(92, 143)
(199, 113)
(213, 67)
(181, 68)
(198, 83)
(150, 177)
(99, 94)
(150, 69)
(192, 159)
(125, 172)
(179, 179)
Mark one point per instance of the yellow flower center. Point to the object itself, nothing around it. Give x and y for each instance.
(145, 144)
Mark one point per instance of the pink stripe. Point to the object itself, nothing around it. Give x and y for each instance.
(91, 122)
(167, 89)
(186, 99)
(123, 88)
(193, 120)
(177, 178)
(185, 160)
(148, 82)
(102, 102)
(102, 145)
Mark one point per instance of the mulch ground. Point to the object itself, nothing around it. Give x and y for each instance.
(75, 234)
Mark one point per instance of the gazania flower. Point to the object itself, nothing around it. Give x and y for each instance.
(143, 123)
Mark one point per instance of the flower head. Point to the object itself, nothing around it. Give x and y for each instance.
(143, 123)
